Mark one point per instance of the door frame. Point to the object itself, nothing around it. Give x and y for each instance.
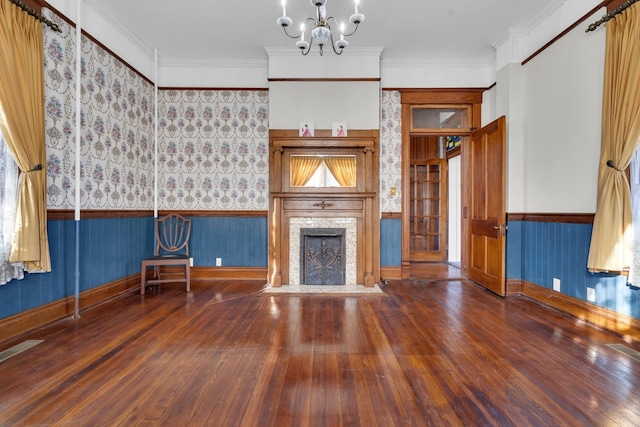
(409, 97)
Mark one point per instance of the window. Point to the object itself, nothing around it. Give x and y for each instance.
(434, 118)
(634, 183)
(310, 170)
(323, 171)
(8, 202)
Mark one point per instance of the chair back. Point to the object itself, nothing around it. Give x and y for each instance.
(172, 234)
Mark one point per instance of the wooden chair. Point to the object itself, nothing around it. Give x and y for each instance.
(172, 249)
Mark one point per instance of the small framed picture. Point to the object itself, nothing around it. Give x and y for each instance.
(306, 129)
(339, 129)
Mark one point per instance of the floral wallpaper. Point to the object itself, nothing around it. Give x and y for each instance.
(390, 151)
(212, 144)
(116, 157)
(213, 150)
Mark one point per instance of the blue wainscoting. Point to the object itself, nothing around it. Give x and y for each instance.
(239, 241)
(538, 252)
(110, 249)
(390, 242)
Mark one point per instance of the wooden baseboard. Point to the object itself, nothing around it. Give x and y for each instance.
(229, 273)
(21, 323)
(391, 273)
(514, 287)
(616, 323)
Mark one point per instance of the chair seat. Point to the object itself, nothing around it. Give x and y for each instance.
(168, 257)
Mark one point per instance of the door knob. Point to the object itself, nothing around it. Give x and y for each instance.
(504, 228)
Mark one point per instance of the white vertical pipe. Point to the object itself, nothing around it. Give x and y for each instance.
(78, 138)
(155, 131)
(78, 104)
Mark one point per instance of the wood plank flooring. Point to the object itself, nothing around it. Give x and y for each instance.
(426, 353)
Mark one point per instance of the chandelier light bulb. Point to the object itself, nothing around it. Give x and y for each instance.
(283, 3)
(357, 2)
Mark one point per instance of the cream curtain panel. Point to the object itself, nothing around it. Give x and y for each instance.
(343, 169)
(303, 168)
(22, 123)
(611, 237)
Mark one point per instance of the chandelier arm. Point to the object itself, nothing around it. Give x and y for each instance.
(333, 45)
(306, 52)
(352, 32)
(338, 26)
(290, 35)
(296, 36)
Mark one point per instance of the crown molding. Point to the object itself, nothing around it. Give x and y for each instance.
(121, 28)
(437, 63)
(214, 63)
(549, 9)
(278, 52)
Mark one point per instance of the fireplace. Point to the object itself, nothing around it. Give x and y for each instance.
(296, 210)
(322, 260)
(300, 226)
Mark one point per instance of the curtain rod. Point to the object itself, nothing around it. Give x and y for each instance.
(37, 15)
(608, 16)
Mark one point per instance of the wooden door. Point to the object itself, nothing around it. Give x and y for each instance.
(486, 206)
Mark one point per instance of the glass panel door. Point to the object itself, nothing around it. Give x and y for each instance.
(427, 237)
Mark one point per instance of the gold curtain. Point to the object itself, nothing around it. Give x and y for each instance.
(303, 168)
(611, 236)
(343, 169)
(22, 123)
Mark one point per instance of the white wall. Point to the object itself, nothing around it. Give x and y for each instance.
(212, 73)
(355, 102)
(454, 211)
(562, 128)
(421, 73)
(489, 108)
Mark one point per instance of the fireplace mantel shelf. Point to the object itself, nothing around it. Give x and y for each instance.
(321, 195)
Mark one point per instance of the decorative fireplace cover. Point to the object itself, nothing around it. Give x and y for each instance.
(322, 260)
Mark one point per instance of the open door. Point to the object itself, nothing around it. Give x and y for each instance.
(486, 206)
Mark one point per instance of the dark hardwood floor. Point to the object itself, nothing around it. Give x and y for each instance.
(426, 353)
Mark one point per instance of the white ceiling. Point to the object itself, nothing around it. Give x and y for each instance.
(242, 29)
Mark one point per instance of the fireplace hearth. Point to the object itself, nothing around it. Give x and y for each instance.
(322, 260)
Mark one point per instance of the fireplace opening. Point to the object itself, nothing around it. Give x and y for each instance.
(322, 260)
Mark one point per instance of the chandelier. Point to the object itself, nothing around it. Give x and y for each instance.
(321, 33)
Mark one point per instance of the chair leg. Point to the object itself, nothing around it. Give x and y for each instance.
(187, 274)
(143, 278)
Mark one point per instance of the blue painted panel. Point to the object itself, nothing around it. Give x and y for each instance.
(390, 242)
(559, 250)
(239, 241)
(514, 250)
(110, 249)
